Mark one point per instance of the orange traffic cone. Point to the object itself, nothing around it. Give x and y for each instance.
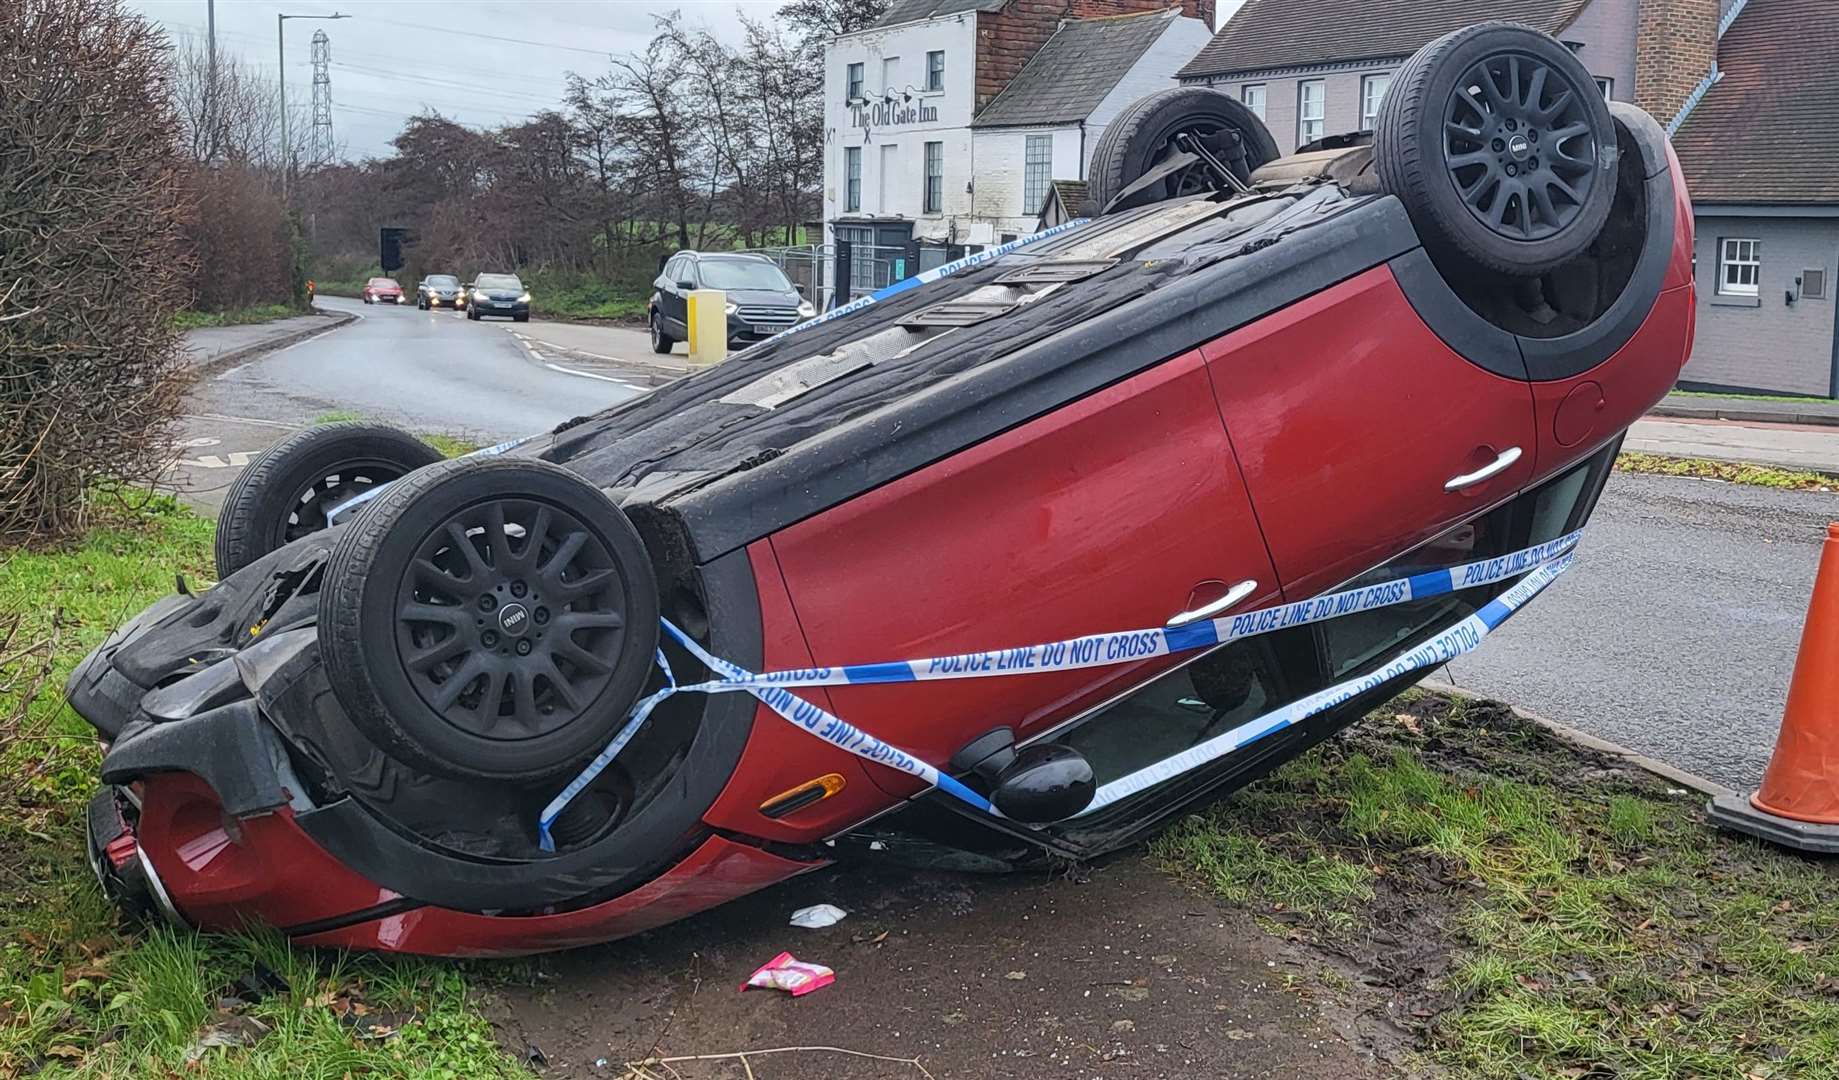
(1798, 804)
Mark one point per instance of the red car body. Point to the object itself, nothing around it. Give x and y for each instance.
(1300, 449)
(382, 290)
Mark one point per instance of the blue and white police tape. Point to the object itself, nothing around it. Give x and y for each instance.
(926, 277)
(356, 501)
(1098, 650)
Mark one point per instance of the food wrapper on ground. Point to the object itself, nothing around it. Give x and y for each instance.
(818, 916)
(793, 976)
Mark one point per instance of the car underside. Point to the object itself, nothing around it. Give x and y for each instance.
(1262, 409)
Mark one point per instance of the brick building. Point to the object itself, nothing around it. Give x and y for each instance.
(948, 121)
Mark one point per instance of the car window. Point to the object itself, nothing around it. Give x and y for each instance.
(675, 269)
(443, 280)
(388, 283)
(743, 274)
(500, 281)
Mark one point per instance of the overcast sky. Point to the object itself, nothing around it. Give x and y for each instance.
(482, 62)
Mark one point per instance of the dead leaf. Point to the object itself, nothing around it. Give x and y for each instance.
(68, 1053)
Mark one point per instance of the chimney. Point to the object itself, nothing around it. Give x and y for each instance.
(1676, 46)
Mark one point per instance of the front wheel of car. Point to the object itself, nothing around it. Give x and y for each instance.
(1501, 147)
(661, 342)
(490, 618)
(287, 491)
(521, 317)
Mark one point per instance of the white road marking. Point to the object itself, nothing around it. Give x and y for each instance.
(226, 374)
(537, 355)
(237, 459)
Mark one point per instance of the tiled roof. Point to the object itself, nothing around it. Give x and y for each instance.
(1769, 130)
(1074, 71)
(906, 11)
(1297, 33)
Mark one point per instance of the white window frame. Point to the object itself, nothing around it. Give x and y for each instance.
(1310, 128)
(1252, 96)
(852, 179)
(1369, 100)
(933, 168)
(1608, 86)
(1737, 254)
(890, 74)
(852, 82)
(935, 85)
(1037, 171)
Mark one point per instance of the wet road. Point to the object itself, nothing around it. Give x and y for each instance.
(429, 370)
(1675, 631)
(1674, 634)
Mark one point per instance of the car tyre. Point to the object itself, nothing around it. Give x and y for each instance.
(1142, 137)
(524, 317)
(661, 342)
(489, 618)
(1499, 144)
(286, 491)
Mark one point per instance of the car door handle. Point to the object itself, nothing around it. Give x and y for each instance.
(1233, 595)
(1492, 469)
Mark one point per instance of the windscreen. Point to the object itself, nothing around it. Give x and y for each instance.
(500, 281)
(441, 280)
(742, 274)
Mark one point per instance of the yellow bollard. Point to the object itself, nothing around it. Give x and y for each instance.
(708, 323)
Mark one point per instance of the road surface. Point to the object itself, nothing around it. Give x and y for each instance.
(1674, 634)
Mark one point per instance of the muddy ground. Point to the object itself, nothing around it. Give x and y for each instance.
(1120, 972)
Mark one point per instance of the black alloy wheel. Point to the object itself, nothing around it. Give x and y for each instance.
(1519, 146)
(1151, 130)
(490, 618)
(1500, 147)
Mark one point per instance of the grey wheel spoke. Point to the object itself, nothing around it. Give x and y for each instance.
(475, 563)
(523, 701)
(565, 554)
(559, 684)
(568, 650)
(433, 613)
(492, 698)
(1558, 104)
(456, 684)
(1469, 96)
(1535, 89)
(1497, 210)
(570, 621)
(1475, 157)
(1463, 130)
(433, 578)
(1541, 196)
(534, 538)
(496, 538)
(586, 585)
(446, 649)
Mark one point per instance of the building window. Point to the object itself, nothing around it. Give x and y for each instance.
(890, 162)
(1037, 172)
(1311, 110)
(1252, 97)
(852, 178)
(1739, 267)
(854, 93)
(935, 178)
(890, 74)
(1607, 86)
(1372, 92)
(1813, 284)
(935, 70)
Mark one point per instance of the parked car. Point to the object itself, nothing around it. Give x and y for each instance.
(498, 294)
(761, 300)
(1166, 498)
(439, 290)
(382, 290)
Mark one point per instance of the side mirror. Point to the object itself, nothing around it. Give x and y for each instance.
(1043, 784)
(800, 286)
(686, 286)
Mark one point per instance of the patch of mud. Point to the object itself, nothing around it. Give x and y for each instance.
(1121, 972)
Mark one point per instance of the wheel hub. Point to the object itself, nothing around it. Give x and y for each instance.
(1519, 147)
(510, 617)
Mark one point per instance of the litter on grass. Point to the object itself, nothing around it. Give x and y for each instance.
(818, 916)
(795, 977)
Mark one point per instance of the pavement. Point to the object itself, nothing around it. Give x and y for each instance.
(1793, 446)
(213, 346)
(1749, 410)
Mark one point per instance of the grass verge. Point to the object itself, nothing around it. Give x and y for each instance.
(449, 445)
(82, 995)
(1528, 908)
(1730, 472)
(196, 320)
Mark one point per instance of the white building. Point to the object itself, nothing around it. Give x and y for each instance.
(947, 122)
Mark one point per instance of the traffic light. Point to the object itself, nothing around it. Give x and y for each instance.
(392, 240)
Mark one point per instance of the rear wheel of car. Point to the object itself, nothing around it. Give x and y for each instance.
(1499, 144)
(1151, 130)
(661, 342)
(286, 492)
(491, 618)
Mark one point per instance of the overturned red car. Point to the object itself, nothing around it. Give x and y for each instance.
(1004, 565)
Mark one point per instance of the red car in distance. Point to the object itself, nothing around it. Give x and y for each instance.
(1034, 551)
(382, 290)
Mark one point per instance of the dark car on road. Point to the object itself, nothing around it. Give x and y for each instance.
(762, 301)
(498, 294)
(439, 290)
(1006, 565)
